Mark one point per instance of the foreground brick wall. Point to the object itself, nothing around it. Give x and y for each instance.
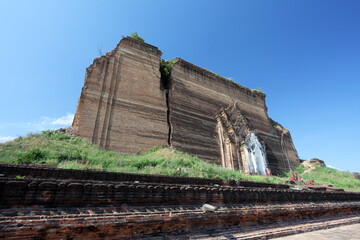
(82, 193)
(79, 187)
(117, 206)
(59, 188)
(159, 222)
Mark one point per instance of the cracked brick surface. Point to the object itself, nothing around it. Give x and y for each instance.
(125, 107)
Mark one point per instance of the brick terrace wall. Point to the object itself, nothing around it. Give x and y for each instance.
(84, 193)
(159, 222)
(47, 207)
(68, 187)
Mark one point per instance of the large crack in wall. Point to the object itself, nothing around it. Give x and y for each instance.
(168, 119)
(165, 83)
(176, 107)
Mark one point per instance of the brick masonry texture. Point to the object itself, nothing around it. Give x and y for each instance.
(196, 97)
(50, 204)
(121, 107)
(126, 107)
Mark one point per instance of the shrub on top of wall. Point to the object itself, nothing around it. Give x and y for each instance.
(135, 35)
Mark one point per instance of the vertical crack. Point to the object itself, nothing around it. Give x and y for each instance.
(165, 85)
(168, 118)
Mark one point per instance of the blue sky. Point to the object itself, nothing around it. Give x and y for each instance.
(305, 55)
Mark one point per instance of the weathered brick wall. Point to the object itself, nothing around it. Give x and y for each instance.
(124, 108)
(121, 107)
(156, 221)
(69, 187)
(85, 193)
(118, 206)
(196, 97)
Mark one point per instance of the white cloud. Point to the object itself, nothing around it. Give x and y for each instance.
(6, 139)
(52, 123)
(45, 123)
(65, 120)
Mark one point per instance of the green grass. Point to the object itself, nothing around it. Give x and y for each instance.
(136, 36)
(63, 151)
(58, 149)
(326, 175)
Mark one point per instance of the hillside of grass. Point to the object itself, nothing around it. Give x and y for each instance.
(63, 151)
(326, 175)
(58, 149)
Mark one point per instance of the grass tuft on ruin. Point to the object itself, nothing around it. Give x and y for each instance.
(58, 149)
(135, 35)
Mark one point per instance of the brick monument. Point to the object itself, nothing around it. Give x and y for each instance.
(128, 105)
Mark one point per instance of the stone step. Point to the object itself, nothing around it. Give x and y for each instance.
(271, 232)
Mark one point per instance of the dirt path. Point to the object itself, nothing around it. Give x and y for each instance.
(309, 166)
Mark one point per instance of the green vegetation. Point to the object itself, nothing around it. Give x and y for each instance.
(33, 156)
(135, 35)
(257, 90)
(58, 149)
(165, 67)
(63, 151)
(219, 76)
(326, 175)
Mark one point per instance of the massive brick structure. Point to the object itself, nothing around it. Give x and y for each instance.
(121, 107)
(202, 115)
(127, 105)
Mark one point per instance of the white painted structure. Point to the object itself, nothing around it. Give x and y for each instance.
(255, 156)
